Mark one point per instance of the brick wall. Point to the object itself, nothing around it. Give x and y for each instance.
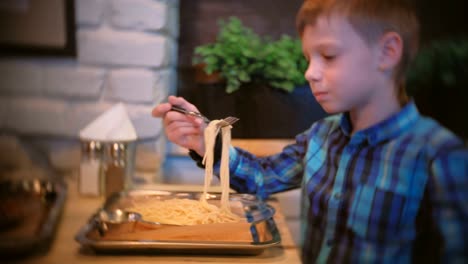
(127, 52)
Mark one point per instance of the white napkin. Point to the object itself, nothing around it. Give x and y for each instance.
(112, 125)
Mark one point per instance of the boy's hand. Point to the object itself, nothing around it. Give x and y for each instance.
(183, 130)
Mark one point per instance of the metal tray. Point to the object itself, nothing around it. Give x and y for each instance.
(29, 214)
(259, 223)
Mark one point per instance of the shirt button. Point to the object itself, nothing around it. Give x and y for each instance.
(337, 196)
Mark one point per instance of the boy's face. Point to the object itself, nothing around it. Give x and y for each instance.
(343, 72)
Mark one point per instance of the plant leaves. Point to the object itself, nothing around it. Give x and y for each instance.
(242, 56)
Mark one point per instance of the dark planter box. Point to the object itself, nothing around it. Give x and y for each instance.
(264, 112)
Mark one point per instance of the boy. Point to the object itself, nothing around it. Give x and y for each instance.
(380, 183)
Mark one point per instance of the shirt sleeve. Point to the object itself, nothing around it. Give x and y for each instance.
(448, 186)
(268, 175)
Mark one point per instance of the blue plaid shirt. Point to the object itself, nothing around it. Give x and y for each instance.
(396, 192)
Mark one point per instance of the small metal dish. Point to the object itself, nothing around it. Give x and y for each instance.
(124, 220)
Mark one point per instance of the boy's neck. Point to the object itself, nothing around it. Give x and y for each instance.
(375, 111)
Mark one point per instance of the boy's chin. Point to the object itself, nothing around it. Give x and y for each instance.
(331, 109)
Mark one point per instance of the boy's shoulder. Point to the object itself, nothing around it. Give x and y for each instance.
(425, 133)
(433, 136)
(433, 131)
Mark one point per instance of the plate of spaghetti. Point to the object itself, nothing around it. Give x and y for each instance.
(185, 221)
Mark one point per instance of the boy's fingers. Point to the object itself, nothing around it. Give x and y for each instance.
(173, 116)
(180, 101)
(161, 110)
(180, 134)
(178, 131)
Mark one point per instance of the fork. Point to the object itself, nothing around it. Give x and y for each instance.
(224, 122)
(228, 121)
(190, 113)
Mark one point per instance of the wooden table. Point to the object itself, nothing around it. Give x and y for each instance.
(78, 209)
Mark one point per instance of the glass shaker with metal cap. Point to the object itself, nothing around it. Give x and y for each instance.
(118, 165)
(90, 179)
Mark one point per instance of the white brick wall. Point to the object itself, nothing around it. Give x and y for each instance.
(71, 80)
(127, 52)
(82, 113)
(141, 118)
(137, 85)
(20, 77)
(139, 14)
(106, 46)
(90, 12)
(41, 116)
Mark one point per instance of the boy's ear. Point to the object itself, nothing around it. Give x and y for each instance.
(390, 51)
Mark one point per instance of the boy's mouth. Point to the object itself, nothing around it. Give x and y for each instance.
(320, 95)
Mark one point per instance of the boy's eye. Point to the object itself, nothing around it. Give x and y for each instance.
(328, 57)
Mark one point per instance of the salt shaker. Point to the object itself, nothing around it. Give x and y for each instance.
(118, 166)
(90, 178)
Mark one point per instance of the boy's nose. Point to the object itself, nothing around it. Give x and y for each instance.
(313, 73)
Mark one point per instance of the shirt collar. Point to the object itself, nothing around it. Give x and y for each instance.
(384, 130)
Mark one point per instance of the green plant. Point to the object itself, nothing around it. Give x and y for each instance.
(241, 56)
(283, 63)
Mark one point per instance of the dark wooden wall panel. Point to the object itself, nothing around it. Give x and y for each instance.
(199, 20)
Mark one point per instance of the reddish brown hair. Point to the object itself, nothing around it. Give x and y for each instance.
(371, 19)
